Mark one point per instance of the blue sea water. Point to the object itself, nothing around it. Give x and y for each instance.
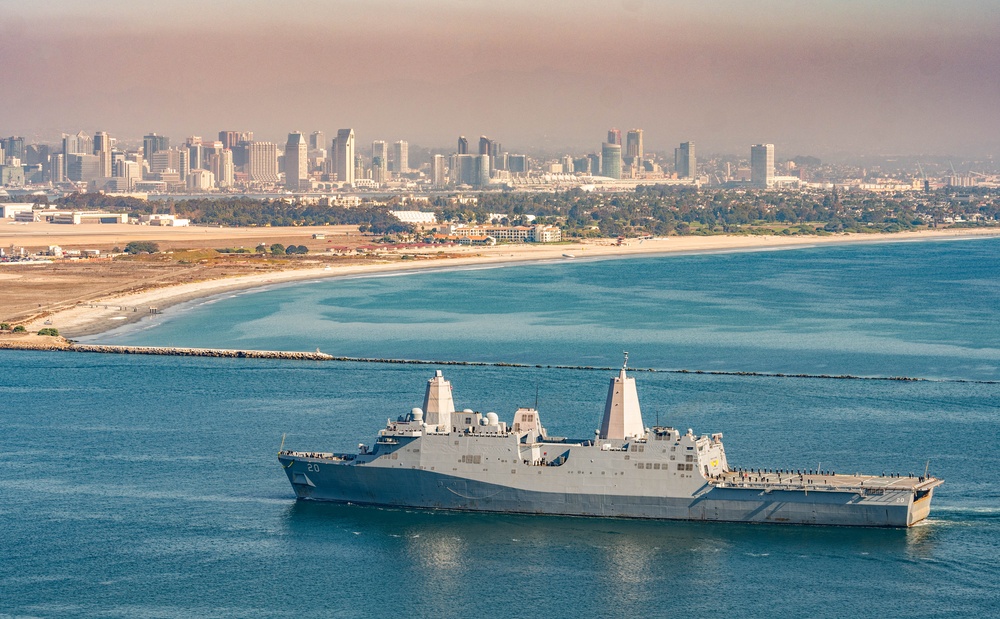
(149, 486)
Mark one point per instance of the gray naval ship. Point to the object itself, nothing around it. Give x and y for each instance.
(439, 458)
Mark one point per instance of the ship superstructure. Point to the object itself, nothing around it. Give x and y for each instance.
(439, 458)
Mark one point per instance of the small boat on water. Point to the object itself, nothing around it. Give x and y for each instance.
(568, 256)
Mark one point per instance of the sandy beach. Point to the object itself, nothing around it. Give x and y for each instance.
(105, 313)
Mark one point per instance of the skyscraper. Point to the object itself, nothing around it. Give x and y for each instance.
(401, 150)
(762, 165)
(262, 162)
(611, 160)
(684, 161)
(79, 144)
(380, 151)
(196, 155)
(317, 140)
(633, 146)
(296, 163)
(223, 168)
(153, 143)
(83, 168)
(437, 171)
(343, 156)
(595, 164)
(230, 139)
(517, 164)
(57, 168)
(12, 147)
(482, 171)
(463, 145)
(128, 170)
(615, 136)
(102, 148)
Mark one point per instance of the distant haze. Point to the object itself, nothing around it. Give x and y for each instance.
(823, 77)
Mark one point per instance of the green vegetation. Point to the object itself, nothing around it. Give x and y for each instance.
(4, 326)
(277, 249)
(244, 211)
(663, 210)
(296, 249)
(48, 331)
(19, 329)
(657, 210)
(142, 247)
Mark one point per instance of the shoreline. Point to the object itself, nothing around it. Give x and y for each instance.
(112, 312)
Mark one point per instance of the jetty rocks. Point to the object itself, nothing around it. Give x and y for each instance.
(201, 352)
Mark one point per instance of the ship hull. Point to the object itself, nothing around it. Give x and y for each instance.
(415, 488)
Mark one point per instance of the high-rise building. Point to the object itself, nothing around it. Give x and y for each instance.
(463, 145)
(490, 148)
(221, 165)
(684, 161)
(131, 171)
(262, 162)
(83, 168)
(595, 164)
(615, 136)
(380, 170)
(484, 145)
(317, 140)
(230, 139)
(163, 160)
(437, 171)
(500, 161)
(79, 144)
(196, 152)
(342, 156)
(463, 169)
(481, 169)
(517, 164)
(611, 160)
(296, 162)
(12, 147)
(380, 152)
(57, 168)
(102, 148)
(359, 167)
(401, 151)
(762, 165)
(633, 146)
(36, 154)
(153, 143)
(209, 150)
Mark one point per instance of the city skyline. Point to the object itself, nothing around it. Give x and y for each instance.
(828, 78)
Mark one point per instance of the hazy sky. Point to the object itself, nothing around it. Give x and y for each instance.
(813, 77)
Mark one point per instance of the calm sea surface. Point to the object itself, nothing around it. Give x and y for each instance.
(149, 486)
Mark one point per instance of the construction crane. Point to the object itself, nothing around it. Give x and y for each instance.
(927, 184)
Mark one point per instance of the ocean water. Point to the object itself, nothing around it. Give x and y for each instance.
(899, 309)
(149, 486)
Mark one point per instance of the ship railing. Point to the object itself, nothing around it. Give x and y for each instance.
(795, 485)
(316, 455)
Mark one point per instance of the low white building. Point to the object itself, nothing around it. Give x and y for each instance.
(414, 217)
(86, 217)
(10, 210)
(164, 220)
(539, 233)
